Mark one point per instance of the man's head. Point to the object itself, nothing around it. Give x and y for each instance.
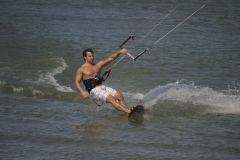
(85, 52)
(88, 55)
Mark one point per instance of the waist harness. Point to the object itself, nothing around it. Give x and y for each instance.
(92, 83)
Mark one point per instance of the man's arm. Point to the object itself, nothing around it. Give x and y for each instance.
(112, 57)
(78, 79)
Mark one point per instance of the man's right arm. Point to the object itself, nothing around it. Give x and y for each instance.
(112, 57)
(78, 79)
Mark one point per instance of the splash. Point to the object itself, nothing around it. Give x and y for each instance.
(216, 101)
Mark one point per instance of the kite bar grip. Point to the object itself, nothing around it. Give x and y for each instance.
(141, 54)
(127, 40)
(130, 55)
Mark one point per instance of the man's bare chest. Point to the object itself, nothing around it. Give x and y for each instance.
(90, 72)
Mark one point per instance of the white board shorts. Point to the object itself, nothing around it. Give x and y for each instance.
(101, 92)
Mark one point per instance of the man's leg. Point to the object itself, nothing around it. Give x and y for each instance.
(106, 94)
(119, 97)
(117, 104)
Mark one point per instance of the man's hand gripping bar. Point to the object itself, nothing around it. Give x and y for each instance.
(133, 38)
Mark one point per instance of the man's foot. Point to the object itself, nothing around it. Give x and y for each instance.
(138, 110)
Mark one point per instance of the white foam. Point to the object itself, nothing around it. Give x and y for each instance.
(17, 90)
(49, 79)
(138, 96)
(33, 90)
(2, 83)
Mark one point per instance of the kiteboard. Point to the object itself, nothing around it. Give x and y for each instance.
(137, 111)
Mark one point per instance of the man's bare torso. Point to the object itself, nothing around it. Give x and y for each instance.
(89, 71)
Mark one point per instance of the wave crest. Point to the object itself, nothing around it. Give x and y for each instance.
(48, 77)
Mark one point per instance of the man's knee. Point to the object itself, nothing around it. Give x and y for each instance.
(110, 98)
(118, 96)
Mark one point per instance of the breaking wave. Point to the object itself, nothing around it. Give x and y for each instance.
(47, 77)
(31, 91)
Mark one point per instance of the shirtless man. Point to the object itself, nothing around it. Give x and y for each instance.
(87, 73)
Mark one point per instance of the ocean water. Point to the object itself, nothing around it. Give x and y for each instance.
(189, 83)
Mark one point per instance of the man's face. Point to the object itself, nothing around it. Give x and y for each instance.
(89, 57)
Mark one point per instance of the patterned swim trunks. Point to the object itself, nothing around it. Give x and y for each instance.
(101, 92)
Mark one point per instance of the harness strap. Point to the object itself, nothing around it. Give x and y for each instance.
(89, 84)
(108, 72)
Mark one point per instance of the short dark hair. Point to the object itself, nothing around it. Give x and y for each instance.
(85, 52)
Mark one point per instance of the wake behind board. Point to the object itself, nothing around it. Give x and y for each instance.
(137, 111)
